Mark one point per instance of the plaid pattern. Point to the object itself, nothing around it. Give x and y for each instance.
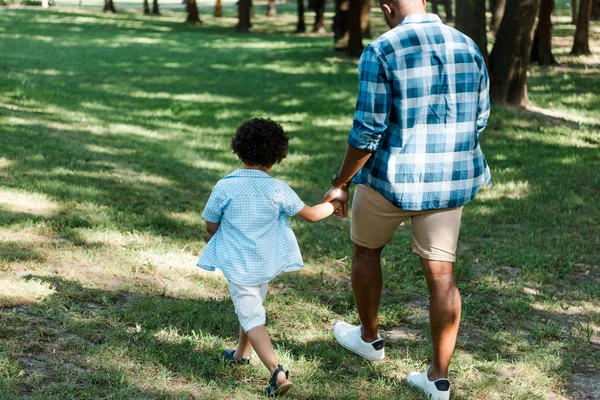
(423, 100)
(254, 242)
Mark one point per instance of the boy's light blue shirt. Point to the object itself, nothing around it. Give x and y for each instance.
(254, 242)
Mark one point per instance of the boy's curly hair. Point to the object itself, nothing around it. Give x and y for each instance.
(260, 141)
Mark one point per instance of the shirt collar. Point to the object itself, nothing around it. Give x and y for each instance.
(249, 173)
(420, 18)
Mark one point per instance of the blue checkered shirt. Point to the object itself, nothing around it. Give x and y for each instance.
(423, 100)
(254, 242)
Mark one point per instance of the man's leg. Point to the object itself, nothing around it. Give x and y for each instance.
(374, 221)
(367, 286)
(444, 314)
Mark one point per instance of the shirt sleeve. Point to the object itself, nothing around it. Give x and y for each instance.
(290, 202)
(213, 212)
(483, 108)
(373, 103)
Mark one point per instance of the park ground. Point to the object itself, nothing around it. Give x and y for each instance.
(114, 129)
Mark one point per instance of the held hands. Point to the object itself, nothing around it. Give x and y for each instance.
(339, 198)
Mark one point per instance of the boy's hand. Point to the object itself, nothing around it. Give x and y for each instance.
(338, 207)
(342, 195)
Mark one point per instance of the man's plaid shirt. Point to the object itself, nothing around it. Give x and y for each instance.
(423, 99)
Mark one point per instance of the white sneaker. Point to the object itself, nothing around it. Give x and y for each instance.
(436, 390)
(350, 337)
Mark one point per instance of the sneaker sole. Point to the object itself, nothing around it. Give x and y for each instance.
(429, 396)
(368, 357)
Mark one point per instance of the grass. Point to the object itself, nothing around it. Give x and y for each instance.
(113, 130)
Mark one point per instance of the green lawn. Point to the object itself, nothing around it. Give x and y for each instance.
(113, 130)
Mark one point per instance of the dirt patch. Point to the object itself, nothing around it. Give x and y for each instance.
(585, 386)
(403, 334)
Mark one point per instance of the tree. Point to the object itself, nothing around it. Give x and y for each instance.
(596, 10)
(271, 9)
(219, 9)
(447, 8)
(146, 7)
(341, 22)
(243, 25)
(471, 20)
(581, 44)
(319, 26)
(365, 18)
(155, 10)
(109, 5)
(497, 9)
(509, 60)
(355, 45)
(301, 27)
(542, 39)
(193, 17)
(574, 12)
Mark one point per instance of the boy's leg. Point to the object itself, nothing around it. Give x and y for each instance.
(259, 337)
(249, 307)
(244, 345)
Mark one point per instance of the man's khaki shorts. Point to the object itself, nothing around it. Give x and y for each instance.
(375, 219)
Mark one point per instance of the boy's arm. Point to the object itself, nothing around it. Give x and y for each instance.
(318, 212)
(211, 228)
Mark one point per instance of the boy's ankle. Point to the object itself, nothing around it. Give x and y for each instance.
(282, 378)
(240, 356)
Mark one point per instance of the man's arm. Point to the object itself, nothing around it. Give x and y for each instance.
(373, 106)
(354, 160)
(483, 107)
(211, 228)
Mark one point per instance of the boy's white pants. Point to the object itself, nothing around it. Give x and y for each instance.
(248, 302)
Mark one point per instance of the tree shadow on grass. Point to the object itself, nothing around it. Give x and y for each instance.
(87, 342)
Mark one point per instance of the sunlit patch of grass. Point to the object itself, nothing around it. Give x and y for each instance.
(17, 201)
(15, 292)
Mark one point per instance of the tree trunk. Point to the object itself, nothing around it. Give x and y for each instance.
(542, 40)
(243, 25)
(219, 9)
(497, 10)
(471, 20)
(509, 60)
(301, 27)
(193, 17)
(146, 7)
(271, 9)
(341, 22)
(365, 19)
(596, 10)
(448, 8)
(155, 10)
(109, 6)
(319, 26)
(581, 44)
(355, 45)
(574, 12)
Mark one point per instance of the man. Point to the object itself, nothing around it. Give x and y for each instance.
(414, 152)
